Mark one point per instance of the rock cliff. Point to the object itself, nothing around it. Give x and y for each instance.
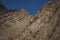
(19, 25)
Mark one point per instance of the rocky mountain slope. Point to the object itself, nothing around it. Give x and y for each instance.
(19, 25)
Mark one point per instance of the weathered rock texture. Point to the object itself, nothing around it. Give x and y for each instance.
(19, 25)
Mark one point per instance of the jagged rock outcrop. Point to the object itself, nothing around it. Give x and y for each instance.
(19, 25)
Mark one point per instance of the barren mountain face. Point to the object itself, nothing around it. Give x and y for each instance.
(19, 25)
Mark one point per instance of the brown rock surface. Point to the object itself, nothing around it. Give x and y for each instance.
(19, 25)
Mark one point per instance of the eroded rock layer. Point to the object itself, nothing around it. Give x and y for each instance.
(19, 25)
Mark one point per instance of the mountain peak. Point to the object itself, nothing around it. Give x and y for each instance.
(23, 11)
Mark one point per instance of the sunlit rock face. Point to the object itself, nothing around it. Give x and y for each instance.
(19, 25)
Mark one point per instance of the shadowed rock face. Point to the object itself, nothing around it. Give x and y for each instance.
(19, 25)
(3, 9)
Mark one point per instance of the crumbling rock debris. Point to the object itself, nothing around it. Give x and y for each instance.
(19, 25)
